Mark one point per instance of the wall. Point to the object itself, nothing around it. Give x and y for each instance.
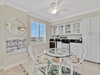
(6, 13)
(2, 39)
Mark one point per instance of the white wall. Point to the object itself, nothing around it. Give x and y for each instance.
(2, 38)
(7, 12)
(40, 47)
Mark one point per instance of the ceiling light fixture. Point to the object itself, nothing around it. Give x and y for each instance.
(54, 10)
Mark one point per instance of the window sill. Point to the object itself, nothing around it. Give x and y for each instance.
(38, 43)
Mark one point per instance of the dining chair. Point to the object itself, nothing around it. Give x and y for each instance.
(38, 62)
(78, 53)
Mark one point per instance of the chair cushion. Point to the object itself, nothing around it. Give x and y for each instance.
(74, 59)
(42, 59)
(56, 60)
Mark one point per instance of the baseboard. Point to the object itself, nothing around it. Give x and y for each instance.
(1, 67)
(15, 64)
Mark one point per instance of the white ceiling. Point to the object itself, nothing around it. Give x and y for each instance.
(38, 8)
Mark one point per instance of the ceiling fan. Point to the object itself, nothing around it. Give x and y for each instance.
(54, 7)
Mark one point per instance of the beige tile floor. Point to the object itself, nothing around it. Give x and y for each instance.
(90, 69)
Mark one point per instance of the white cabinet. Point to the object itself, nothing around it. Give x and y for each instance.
(73, 46)
(90, 35)
(54, 30)
(76, 27)
(59, 44)
(68, 28)
(61, 29)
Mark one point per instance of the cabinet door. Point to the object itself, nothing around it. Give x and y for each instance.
(94, 24)
(76, 27)
(68, 28)
(54, 30)
(94, 48)
(85, 35)
(85, 26)
(85, 43)
(73, 46)
(61, 29)
(59, 45)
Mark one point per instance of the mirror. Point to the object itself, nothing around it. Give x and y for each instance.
(15, 26)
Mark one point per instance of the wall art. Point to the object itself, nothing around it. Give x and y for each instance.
(15, 45)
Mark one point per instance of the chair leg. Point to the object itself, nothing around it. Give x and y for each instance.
(46, 70)
(71, 70)
(49, 67)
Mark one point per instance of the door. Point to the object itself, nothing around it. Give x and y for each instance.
(85, 35)
(94, 48)
(94, 25)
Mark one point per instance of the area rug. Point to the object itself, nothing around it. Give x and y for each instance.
(54, 70)
(23, 70)
(65, 71)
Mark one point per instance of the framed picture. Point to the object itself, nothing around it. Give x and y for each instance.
(15, 45)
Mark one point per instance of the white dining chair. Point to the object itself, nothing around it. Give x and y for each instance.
(77, 57)
(38, 63)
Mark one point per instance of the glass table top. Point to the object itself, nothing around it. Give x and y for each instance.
(57, 52)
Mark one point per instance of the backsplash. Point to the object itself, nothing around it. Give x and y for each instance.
(67, 36)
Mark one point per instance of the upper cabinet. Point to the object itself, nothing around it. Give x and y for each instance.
(76, 27)
(69, 28)
(55, 30)
(94, 24)
(61, 29)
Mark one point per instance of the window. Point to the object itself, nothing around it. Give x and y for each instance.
(38, 32)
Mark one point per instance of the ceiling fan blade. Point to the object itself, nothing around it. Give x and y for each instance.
(59, 2)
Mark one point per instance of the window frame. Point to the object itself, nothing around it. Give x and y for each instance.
(38, 42)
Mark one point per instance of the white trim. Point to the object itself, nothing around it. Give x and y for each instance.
(38, 43)
(1, 67)
(14, 6)
(22, 9)
(30, 14)
(89, 11)
(15, 64)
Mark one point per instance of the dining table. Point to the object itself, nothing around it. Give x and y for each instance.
(60, 53)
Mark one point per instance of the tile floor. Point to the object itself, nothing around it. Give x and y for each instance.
(90, 69)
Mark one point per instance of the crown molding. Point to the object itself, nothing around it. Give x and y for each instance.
(76, 15)
(22, 9)
(3, 2)
(37, 17)
(15, 6)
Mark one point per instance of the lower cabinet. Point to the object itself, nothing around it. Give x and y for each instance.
(59, 45)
